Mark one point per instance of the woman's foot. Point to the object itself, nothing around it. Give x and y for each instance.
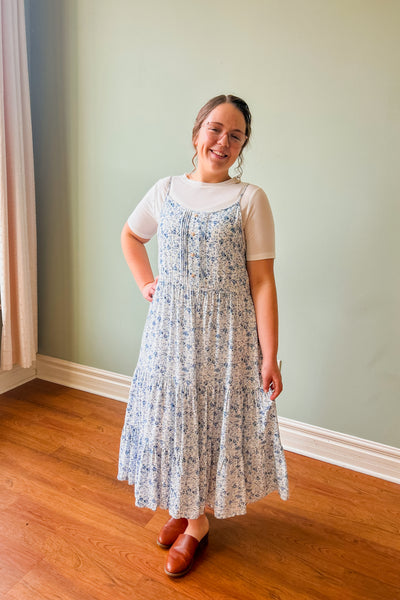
(197, 527)
(170, 532)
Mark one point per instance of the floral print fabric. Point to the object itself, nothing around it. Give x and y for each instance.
(199, 429)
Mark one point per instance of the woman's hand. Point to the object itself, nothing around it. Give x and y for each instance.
(271, 378)
(149, 289)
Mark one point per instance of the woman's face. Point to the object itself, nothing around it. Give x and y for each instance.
(219, 141)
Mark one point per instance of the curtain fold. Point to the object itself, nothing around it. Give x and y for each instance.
(18, 270)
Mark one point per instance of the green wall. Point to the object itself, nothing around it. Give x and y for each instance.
(115, 88)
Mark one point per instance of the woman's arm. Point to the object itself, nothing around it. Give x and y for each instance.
(138, 261)
(263, 291)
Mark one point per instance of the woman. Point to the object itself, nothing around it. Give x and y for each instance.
(201, 428)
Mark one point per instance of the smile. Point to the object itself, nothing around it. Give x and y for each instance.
(220, 154)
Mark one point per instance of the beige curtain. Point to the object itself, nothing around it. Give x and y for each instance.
(18, 279)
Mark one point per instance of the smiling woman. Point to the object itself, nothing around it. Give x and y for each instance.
(201, 428)
(234, 111)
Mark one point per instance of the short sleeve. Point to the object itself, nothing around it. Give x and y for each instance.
(143, 221)
(258, 225)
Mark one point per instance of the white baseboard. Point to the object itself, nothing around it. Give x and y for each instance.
(88, 379)
(329, 446)
(15, 377)
(341, 449)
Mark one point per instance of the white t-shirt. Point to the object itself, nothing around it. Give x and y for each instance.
(257, 219)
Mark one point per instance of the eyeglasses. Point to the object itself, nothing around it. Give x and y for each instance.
(215, 131)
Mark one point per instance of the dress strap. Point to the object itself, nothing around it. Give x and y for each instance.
(242, 191)
(169, 185)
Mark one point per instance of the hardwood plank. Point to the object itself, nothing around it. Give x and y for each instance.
(150, 588)
(348, 499)
(52, 483)
(45, 583)
(51, 431)
(15, 561)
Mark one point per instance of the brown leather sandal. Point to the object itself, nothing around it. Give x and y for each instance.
(182, 554)
(170, 532)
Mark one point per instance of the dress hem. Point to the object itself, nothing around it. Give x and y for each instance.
(218, 514)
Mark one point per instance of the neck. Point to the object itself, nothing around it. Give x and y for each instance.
(206, 177)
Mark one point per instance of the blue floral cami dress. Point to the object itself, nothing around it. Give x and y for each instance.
(199, 429)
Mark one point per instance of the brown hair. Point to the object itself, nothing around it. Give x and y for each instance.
(213, 103)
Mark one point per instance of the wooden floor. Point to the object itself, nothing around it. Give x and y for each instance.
(70, 531)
